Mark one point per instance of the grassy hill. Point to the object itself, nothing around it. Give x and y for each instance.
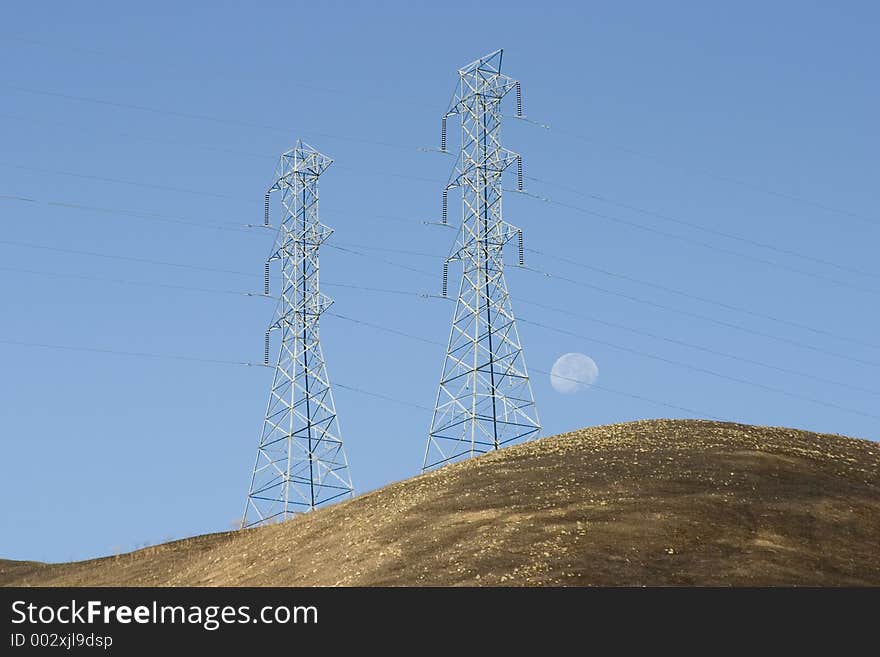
(678, 502)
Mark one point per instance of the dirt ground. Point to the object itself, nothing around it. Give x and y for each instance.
(660, 502)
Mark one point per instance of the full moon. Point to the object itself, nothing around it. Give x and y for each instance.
(573, 372)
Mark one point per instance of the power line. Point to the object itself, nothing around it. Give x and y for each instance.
(353, 171)
(117, 352)
(199, 117)
(135, 214)
(708, 350)
(385, 290)
(95, 254)
(418, 338)
(134, 135)
(399, 333)
(190, 288)
(195, 359)
(296, 83)
(689, 240)
(381, 396)
(606, 217)
(723, 178)
(363, 288)
(555, 130)
(679, 311)
(644, 354)
(701, 370)
(120, 281)
(576, 208)
(380, 259)
(710, 230)
(714, 302)
(632, 395)
(699, 316)
(426, 295)
(661, 306)
(370, 247)
(385, 329)
(616, 219)
(118, 181)
(642, 154)
(181, 220)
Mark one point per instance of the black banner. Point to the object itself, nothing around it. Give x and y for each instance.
(129, 621)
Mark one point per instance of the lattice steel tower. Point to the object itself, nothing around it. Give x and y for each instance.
(301, 461)
(485, 399)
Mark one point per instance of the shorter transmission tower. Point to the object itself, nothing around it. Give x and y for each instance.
(301, 462)
(485, 399)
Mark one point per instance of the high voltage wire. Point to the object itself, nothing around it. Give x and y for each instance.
(136, 214)
(426, 273)
(705, 245)
(545, 199)
(218, 361)
(377, 395)
(121, 281)
(419, 338)
(135, 136)
(571, 207)
(724, 178)
(422, 339)
(555, 131)
(195, 359)
(423, 295)
(186, 221)
(690, 345)
(118, 181)
(110, 256)
(56, 46)
(172, 219)
(118, 352)
(631, 151)
(656, 304)
(611, 218)
(632, 395)
(701, 370)
(709, 229)
(534, 369)
(712, 320)
(541, 198)
(370, 247)
(380, 259)
(437, 343)
(688, 295)
(644, 354)
(385, 329)
(689, 240)
(379, 289)
(296, 83)
(601, 199)
(200, 117)
(245, 228)
(190, 288)
(212, 149)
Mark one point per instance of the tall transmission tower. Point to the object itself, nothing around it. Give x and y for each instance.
(301, 462)
(485, 399)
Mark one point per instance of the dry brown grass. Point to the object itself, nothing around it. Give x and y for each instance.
(679, 502)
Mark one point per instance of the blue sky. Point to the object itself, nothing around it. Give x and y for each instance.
(712, 231)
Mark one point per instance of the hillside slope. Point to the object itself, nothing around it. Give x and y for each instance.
(645, 503)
